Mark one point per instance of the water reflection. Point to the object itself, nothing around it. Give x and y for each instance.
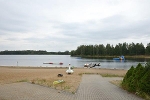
(115, 64)
(37, 60)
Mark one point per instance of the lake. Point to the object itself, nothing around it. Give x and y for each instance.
(38, 60)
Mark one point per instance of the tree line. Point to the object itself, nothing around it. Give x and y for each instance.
(32, 52)
(109, 50)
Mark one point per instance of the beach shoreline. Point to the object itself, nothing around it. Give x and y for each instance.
(47, 75)
(57, 67)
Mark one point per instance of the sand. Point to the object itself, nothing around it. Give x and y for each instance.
(46, 76)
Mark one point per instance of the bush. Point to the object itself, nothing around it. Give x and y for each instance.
(138, 79)
(137, 75)
(144, 83)
(127, 79)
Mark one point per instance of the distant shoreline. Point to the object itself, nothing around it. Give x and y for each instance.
(36, 67)
(32, 52)
(126, 56)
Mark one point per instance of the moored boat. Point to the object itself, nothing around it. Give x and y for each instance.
(119, 58)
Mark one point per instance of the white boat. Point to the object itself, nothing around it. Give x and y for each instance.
(90, 65)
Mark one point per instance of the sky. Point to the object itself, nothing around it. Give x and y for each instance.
(60, 25)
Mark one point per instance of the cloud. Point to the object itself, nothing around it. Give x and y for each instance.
(56, 25)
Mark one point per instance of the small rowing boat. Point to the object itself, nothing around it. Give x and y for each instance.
(53, 63)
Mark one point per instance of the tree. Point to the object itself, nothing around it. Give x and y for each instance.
(145, 82)
(117, 50)
(147, 50)
(132, 49)
(138, 79)
(127, 79)
(125, 48)
(137, 75)
(140, 49)
(108, 49)
(101, 49)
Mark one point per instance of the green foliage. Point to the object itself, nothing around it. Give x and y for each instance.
(110, 50)
(111, 75)
(138, 79)
(145, 83)
(32, 52)
(127, 78)
(147, 51)
(23, 80)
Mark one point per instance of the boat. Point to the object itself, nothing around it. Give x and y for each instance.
(53, 63)
(91, 65)
(119, 58)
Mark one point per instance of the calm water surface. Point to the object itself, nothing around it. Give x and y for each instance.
(38, 60)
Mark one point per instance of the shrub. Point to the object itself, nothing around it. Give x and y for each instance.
(144, 83)
(138, 79)
(127, 78)
(137, 75)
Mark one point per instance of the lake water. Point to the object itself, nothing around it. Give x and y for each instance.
(38, 60)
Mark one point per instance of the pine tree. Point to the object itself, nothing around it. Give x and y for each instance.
(127, 78)
(144, 84)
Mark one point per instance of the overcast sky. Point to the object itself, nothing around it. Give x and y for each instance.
(60, 25)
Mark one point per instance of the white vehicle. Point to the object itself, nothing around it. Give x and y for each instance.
(69, 71)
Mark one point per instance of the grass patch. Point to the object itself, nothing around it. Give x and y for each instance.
(103, 75)
(111, 75)
(80, 74)
(116, 82)
(86, 73)
(143, 95)
(66, 87)
(23, 80)
(44, 82)
(139, 93)
(49, 82)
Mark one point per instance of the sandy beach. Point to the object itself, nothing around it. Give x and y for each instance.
(45, 76)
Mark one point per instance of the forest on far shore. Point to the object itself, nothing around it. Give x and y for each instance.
(32, 52)
(130, 49)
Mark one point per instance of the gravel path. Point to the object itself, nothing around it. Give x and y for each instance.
(27, 91)
(92, 87)
(95, 87)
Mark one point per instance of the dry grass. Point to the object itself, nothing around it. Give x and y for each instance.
(116, 82)
(46, 76)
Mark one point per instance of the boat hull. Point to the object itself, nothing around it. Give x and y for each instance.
(120, 58)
